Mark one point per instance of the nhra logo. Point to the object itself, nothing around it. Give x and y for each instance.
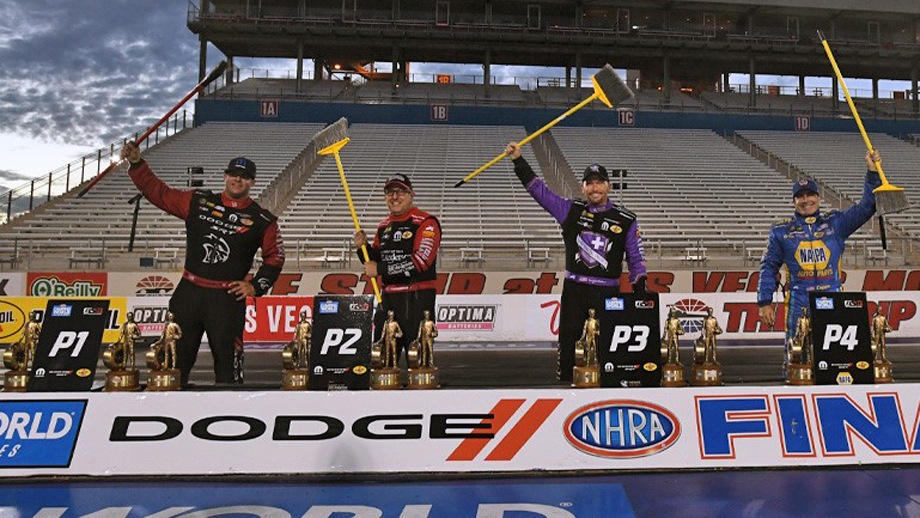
(645, 304)
(479, 317)
(61, 310)
(327, 307)
(614, 304)
(824, 303)
(852, 303)
(39, 433)
(622, 429)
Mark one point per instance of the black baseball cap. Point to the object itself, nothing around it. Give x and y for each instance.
(241, 166)
(398, 180)
(595, 171)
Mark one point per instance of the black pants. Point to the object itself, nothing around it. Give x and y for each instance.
(408, 308)
(577, 299)
(200, 310)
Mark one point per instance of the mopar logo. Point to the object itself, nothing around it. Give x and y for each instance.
(39, 433)
(824, 303)
(622, 428)
(328, 307)
(61, 310)
(614, 304)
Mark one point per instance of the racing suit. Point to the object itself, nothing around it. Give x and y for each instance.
(223, 235)
(596, 240)
(811, 248)
(406, 249)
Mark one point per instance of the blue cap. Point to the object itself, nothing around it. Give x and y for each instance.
(803, 186)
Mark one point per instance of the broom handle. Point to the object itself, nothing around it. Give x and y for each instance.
(354, 218)
(529, 138)
(846, 93)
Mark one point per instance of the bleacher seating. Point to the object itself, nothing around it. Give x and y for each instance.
(104, 214)
(835, 159)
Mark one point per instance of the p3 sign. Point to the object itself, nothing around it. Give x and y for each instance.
(340, 346)
(840, 337)
(68, 347)
(629, 349)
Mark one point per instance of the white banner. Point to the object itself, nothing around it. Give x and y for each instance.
(188, 433)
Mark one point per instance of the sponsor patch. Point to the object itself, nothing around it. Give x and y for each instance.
(329, 307)
(614, 304)
(824, 303)
(622, 429)
(61, 310)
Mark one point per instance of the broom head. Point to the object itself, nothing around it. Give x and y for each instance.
(332, 138)
(890, 199)
(609, 88)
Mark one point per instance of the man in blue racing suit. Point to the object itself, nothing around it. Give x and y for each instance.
(810, 245)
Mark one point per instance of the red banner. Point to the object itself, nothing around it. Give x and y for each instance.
(274, 319)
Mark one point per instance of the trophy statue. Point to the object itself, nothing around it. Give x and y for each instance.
(385, 373)
(706, 370)
(119, 358)
(18, 357)
(881, 365)
(422, 372)
(161, 359)
(586, 373)
(672, 374)
(296, 356)
(800, 353)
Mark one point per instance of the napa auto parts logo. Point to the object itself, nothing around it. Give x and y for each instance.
(467, 317)
(622, 429)
(12, 320)
(39, 433)
(66, 284)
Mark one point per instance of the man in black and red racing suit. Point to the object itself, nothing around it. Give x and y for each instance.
(224, 231)
(404, 254)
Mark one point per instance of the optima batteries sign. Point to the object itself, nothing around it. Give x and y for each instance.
(35, 434)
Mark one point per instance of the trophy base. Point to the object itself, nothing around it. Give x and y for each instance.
(122, 381)
(706, 375)
(423, 378)
(386, 378)
(800, 374)
(586, 377)
(672, 375)
(164, 380)
(15, 381)
(882, 370)
(295, 379)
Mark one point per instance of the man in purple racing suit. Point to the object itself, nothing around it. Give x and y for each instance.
(597, 235)
(810, 245)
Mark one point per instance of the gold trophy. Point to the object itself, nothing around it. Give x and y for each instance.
(801, 353)
(706, 370)
(881, 365)
(672, 374)
(422, 372)
(119, 358)
(586, 373)
(385, 373)
(18, 357)
(296, 356)
(161, 359)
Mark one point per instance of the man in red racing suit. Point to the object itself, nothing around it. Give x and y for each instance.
(224, 231)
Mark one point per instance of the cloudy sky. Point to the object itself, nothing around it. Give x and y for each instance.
(77, 75)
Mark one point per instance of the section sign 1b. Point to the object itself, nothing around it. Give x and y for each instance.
(340, 347)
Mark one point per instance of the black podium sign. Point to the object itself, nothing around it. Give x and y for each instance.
(340, 346)
(840, 336)
(68, 347)
(629, 351)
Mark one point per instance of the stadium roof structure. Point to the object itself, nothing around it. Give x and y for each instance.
(687, 40)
